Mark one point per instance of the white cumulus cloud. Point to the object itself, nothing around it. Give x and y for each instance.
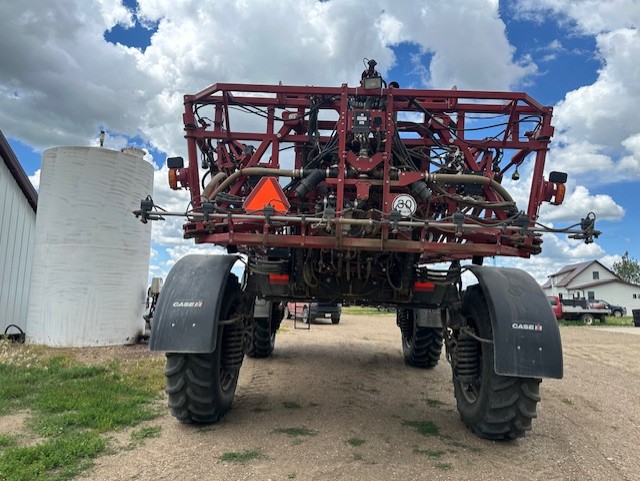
(597, 123)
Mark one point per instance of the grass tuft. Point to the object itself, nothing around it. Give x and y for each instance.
(355, 442)
(295, 432)
(146, 433)
(291, 405)
(426, 428)
(430, 453)
(241, 456)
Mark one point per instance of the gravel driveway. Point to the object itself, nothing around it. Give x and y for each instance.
(337, 402)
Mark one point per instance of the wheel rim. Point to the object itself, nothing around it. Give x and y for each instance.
(305, 315)
(617, 314)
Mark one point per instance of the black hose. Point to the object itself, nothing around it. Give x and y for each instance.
(16, 337)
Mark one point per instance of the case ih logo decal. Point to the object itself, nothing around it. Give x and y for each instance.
(526, 327)
(188, 304)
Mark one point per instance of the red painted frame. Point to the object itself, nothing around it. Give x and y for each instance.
(285, 111)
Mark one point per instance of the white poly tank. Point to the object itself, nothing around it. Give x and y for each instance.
(91, 256)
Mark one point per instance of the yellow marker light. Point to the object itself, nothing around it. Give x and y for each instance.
(173, 179)
(561, 190)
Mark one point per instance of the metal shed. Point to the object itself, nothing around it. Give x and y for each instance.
(18, 204)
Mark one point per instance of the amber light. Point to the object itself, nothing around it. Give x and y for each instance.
(173, 179)
(561, 190)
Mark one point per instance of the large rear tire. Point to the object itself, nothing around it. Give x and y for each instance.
(201, 387)
(421, 346)
(264, 333)
(492, 406)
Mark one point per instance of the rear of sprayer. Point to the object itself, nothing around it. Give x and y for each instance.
(367, 195)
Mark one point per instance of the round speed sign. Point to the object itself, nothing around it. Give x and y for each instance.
(405, 204)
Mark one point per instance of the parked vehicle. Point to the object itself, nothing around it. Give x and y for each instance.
(556, 306)
(616, 311)
(577, 310)
(310, 311)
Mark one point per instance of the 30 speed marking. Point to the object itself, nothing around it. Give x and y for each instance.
(405, 204)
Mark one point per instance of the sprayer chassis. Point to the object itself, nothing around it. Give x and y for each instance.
(352, 195)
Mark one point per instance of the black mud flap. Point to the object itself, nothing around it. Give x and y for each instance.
(188, 309)
(428, 317)
(525, 331)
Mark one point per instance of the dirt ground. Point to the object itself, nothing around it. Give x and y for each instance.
(348, 386)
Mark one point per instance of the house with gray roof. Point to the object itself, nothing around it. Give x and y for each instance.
(594, 281)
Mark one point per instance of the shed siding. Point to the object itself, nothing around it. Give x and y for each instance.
(17, 236)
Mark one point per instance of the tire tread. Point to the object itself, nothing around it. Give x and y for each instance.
(507, 407)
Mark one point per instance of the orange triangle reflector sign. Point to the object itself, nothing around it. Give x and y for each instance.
(266, 192)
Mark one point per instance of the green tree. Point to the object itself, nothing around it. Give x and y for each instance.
(628, 269)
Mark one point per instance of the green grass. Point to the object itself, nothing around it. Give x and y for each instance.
(241, 456)
(261, 410)
(608, 321)
(426, 428)
(54, 459)
(295, 432)
(71, 407)
(365, 311)
(146, 433)
(355, 442)
(434, 403)
(7, 441)
(458, 444)
(619, 321)
(430, 453)
(291, 405)
(443, 466)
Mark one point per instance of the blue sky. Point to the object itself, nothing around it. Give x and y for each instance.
(76, 67)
